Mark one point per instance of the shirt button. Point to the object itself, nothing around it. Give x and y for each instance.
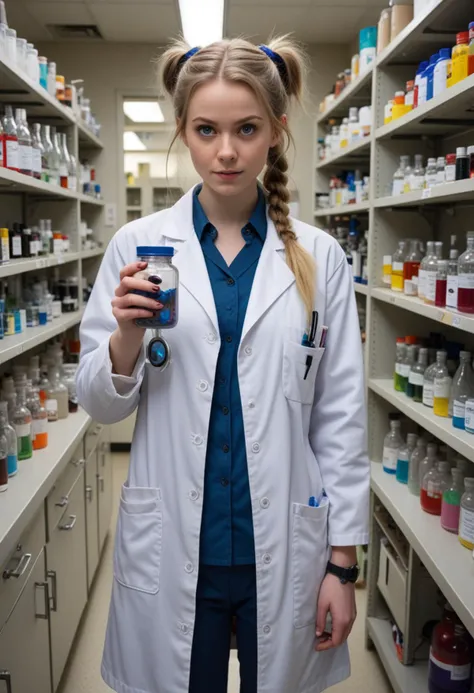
(251, 404)
(198, 440)
(248, 350)
(267, 558)
(225, 410)
(224, 481)
(267, 629)
(265, 503)
(225, 448)
(189, 567)
(228, 339)
(231, 281)
(255, 447)
(203, 385)
(193, 494)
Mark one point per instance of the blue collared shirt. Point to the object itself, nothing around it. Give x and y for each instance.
(227, 526)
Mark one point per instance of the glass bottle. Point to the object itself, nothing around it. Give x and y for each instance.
(431, 173)
(431, 269)
(428, 382)
(462, 389)
(11, 150)
(451, 502)
(466, 517)
(404, 455)
(408, 176)
(3, 460)
(450, 659)
(22, 424)
(52, 79)
(466, 277)
(416, 458)
(440, 170)
(397, 266)
(408, 363)
(49, 155)
(391, 445)
(24, 143)
(399, 360)
(58, 391)
(63, 164)
(39, 427)
(12, 443)
(452, 280)
(415, 379)
(65, 161)
(411, 267)
(422, 270)
(428, 462)
(442, 386)
(462, 163)
(69, 380)
(38, 152)
(72, 173)
(441, 283)
(435, 482)
(417, 180)
(399, 176)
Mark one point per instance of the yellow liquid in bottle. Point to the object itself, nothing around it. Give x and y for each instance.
(441, 406)
(397, 280)
(469, 545)
(387, 274)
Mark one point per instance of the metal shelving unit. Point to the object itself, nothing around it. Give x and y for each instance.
(435, 558)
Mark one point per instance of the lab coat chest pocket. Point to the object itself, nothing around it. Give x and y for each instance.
(295, 386)
(309, 559)
(137, 555)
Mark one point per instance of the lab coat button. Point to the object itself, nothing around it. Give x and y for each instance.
(211, 338)
(184, 628)
(264, 503)
(189, 567)
(256, 447)
(197, 440)
(248, 350)
(203, 385)
(194, 495)
(251, 404)
(267, 629)
(267, 558)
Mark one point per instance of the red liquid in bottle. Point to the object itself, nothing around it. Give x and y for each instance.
(430, 504)
(440, 293)
(466, 300)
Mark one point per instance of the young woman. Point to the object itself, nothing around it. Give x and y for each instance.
(248, 483)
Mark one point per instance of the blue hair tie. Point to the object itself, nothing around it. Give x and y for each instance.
(189, 54)
(278, 61)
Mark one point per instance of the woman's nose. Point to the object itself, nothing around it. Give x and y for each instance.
(226, 150)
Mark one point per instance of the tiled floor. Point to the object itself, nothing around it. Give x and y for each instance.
(83, 672)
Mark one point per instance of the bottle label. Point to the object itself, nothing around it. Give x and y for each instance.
(398, 368)
(452, 291)
(465, 281)
(417, 183)
(37, 161)
(26, 158)
(397, 187)
(390, 458)
(410, 287)
(51, 405)
(459, 409)
(421, 282)
(432, 489)
(443, 674)
(16, 246)
(63, 170)
(430, 285)
(415, 378)
(397, 266)
(5, 249)
(13, 154)
(440, 177)
(39, 426)
(442, 387)
(405, 370)
(72, 183)
(431, 179)
(23, 430)
(32, 247)
(58, 246)
(428, 390)
(466, 525)
(450, 173)
(469, 416)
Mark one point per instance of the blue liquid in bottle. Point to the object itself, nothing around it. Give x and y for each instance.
(12, 465)
(402, 471)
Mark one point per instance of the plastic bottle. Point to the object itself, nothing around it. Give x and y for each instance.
(397, 266)
(399, 360)
(462, 389)
(441, 283)
(428, 382)
(391, 445)
(466, 277)
(421, 68)
(466, 518)
(411, 267)
(11, 151)
(22, 424)
(451, 502)
(460, 55)
(49, 155)
(430, 76)
(417, 456)
(450, 664)
(442, 386)
(423, 85)
(415, 379)
(399, 176)
(12, 444)
(435, 482)
(24, 143)
(431, 270)
(52, 79)
(404, 455)
(462, 164)
(440, 75)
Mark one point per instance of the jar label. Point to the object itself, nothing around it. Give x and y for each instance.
(36, 161)
(39, 426)
(443, 673)
(417, 183)
(51, 405)
(421, 282)
(16, 246)
(26, 158)
(452, 291)
(405, 370)
(440, 177)
(397, 266)
(415, 378)
(466, 281)
(466, 525)
(430, 285)
(428, 390)
(442, 388)
(398, 367)
(397, 187)
(433, 490)
(431, 180)
(450, 173)
(459, 409)
(22, 430)
(13, 154)
(63, 171)
(390, 458)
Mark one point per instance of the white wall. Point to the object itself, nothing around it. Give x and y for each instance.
(111, 69)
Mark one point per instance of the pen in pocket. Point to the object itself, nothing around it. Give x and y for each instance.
(315, 502)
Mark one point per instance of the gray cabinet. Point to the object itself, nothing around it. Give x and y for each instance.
(104, 485)
(24, 637)
(67, 572)
(92, 516)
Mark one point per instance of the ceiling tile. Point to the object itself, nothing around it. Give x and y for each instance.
(289, 5)
(135, 3)
(24, 23)
(148, 23)
(65, 12)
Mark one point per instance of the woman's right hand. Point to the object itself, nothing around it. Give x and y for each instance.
(127, 306)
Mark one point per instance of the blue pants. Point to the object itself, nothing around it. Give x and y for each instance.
(223, 593)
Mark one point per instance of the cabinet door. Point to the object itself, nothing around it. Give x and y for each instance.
(67, 571)
(104, 487)
(24, 639)
(92, 517)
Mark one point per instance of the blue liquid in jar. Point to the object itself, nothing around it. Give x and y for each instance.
(12, 465)
(459, 422)
(402, 471)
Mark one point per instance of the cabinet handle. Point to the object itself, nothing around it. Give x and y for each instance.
(63, 502)
(101, 482)
(69, 525)
(89, 493)
(53, 599)
(79, 463)
(6, 676)
(22, 565)
(45, 587)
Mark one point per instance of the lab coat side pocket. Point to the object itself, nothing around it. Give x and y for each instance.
(295, 387)
(138, 543)
(309, 560)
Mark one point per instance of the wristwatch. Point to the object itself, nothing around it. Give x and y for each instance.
(344, 574)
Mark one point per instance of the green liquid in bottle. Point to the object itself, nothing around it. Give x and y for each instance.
(25, 448)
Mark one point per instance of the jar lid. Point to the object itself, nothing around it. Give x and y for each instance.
(462, 37)
(155, 250)
(450, 158)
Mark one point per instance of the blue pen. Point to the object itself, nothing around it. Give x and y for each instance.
(316, 502)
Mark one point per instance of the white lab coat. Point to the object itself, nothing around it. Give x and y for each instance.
(300, 435)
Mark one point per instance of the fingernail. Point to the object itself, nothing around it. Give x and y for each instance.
(318, 633)
(159, 305)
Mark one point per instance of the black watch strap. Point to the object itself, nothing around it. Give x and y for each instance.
(344, 574)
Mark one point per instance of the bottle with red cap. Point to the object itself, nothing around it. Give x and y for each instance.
(460, 56)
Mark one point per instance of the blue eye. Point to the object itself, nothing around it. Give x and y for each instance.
(205, 130)
(248, 129)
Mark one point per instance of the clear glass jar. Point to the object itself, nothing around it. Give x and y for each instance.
(58, 392)
(32, 65)
(417, 181)
(416, 458)
(451, 502)
(415, 378)
(428, 462)
(452, 280)
(431, 269)
(69, 379)
(462, 390)
(466, 277)
(398, 259)
(431, 173)
(408, 363)
(442, 386)
(428, 382)
(12, 443)
(435, 482)
(10, 45)
(430, 252)
(466, 518)
(440, 170)
(404, 455)
(441, 283)
(392, 443)
(21, 53)
(162, 273)
(411, 268)
(22, 423)
(399, 176)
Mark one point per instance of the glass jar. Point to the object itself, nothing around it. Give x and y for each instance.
(21, 53)
(462, 389)
(430, 252)
(441, 283)
(10, 45)
(411, 267)
(435, 482)
(392, 443)
(469, 416)
(161, 272)
(428, 382)
(12, 443)
(466, 517)
(417, 456)
(408, 363)
(404, 455)
(427, 463)
(58, 392)
(398, 259)
(399, 176)
(451, 502)
(431, 173)
(22, 423)
(431, 269)
(399, 360)
(442, 386)
(415, 379)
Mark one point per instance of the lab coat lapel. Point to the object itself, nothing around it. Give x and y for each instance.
(189, 258)
(272, 278)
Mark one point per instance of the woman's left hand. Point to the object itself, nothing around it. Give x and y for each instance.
(339, 601)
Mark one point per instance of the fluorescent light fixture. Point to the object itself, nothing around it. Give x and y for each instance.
(131, 142)
(202, 21)
(143, 111)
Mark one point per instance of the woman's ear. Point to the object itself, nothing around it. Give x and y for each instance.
(278, 135)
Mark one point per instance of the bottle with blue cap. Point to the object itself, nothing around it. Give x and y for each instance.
(161, 272)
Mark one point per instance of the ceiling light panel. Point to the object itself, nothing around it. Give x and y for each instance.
(143, 111)
(202, 21)
(131, 142)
